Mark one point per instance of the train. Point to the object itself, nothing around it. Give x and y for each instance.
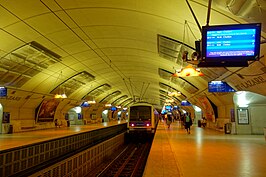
(142, 117)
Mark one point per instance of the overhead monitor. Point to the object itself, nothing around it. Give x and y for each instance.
(219, 86)
(85, 104)
(185, 103)
(168, 107)
(231, 43)
(113, 108)
(3, 91)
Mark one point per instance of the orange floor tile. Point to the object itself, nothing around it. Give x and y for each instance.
(205, 153)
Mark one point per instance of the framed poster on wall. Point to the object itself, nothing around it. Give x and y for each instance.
(6, 117)
(243, 117)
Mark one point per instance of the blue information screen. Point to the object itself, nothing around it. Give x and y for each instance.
(235, 42)
(113, 108)
(3, 91)
(219, 86)
(185, 103)
(168, 107)
(85, 104)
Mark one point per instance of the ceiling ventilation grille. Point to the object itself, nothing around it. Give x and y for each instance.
(17, 67)
(211, 74)
(72, 84)
(119, 100)
(110, 96)
(127, 102)
(164, 94)
(172, 49)
(36, 54)
(168, 88)
(97, 91)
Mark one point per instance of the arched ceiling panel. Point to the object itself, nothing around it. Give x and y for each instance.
(115, 41)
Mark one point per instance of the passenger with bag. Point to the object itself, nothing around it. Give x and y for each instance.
(188, 122)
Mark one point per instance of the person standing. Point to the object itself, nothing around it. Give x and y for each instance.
(188, 122)
(169, 120)
(204, 122)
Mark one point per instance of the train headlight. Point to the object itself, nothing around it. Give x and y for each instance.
(147, 125)
(132, 125)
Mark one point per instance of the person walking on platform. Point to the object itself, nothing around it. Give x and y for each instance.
(204, 122)
(169, 120)
(188, 122)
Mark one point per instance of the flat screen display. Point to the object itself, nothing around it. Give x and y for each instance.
(231, 42)
(85, 104)
(185, 103)
(113, 108)
(219, 86)
(3, 91)
(168, 107)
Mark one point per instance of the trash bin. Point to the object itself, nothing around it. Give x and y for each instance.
(10, 130)
(199, 123)
(227, 128)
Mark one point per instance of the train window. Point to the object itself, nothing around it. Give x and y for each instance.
(140, 113)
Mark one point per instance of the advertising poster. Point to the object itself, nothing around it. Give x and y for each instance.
(242, 115)
(207, 108)
(6, 117)
(47, 110)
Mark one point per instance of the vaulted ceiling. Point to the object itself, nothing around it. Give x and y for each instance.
(113, 51)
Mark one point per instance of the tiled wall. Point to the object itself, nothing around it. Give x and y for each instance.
(82, 163)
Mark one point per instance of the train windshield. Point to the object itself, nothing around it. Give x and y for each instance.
(140, 113)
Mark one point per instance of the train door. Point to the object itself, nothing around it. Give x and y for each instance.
(1, 117)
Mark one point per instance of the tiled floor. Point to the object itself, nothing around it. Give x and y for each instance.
(205, 153)
(8, 141)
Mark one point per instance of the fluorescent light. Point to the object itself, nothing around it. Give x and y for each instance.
(243, 105)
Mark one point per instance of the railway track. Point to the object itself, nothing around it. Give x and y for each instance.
(129, 163)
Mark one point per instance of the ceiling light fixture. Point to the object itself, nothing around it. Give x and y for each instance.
(108, 105)
(91, 102)
(169, 100)
(60, 94)
(174, 93)
(188, 71)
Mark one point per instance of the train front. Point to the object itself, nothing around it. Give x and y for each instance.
(141, 119)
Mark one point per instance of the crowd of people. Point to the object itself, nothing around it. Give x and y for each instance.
(185, 120)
